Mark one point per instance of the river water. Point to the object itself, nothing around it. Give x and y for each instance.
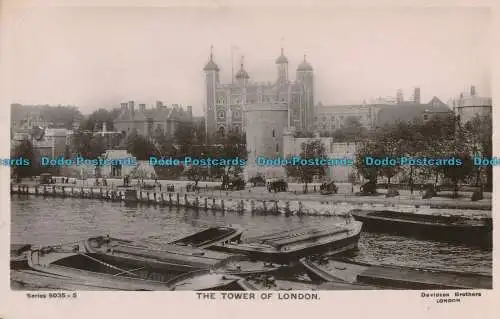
(47, 221)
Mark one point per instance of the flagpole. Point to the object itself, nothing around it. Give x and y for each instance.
(232, 65)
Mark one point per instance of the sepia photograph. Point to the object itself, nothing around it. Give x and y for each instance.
(263, 148)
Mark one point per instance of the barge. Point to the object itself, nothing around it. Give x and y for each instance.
(174, 258)
(71, 268)
(290, 245)
(458, 229)
(393, 277)
(211, 236)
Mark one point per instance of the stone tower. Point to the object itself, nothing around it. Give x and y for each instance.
(211, 71)
(305, 76)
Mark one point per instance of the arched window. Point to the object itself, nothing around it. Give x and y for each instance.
(221, 114)
(222, 131)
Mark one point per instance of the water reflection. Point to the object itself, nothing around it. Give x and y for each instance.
(48, 221)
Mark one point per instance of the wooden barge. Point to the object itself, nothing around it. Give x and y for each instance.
(211, 236)
(456, 229)
(289, 246)
(393, 277)
(173, 257)
(74, 268)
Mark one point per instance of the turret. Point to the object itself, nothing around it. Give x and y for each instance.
(211, 71)
(242, 75)
(282, 67)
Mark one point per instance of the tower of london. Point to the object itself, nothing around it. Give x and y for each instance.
(224, 103)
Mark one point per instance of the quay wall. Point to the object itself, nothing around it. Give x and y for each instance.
(220, 203)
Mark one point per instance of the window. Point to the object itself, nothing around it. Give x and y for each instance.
(274, 133)
(221, 131)
(277, 147)
(426, 116)
(221, 114)
(236, 114)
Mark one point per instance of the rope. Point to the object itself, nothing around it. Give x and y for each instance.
(130, 270)
(106, 264)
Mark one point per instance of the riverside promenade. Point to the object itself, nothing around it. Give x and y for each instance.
(258, 199)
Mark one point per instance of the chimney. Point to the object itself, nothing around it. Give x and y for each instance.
(416, 95)
(159, 104)
(131, 106)
(142, 107)
(472, 90)
(103, 128)
(399, 96)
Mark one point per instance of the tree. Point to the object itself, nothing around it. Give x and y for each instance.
(310, 151)
(368, 149)
(478, 133)
(26, 151)
(458, 173)
(184, 136)
(87, 145)
(351, 131)
(140, 147)
(95, 120)
(164, 144)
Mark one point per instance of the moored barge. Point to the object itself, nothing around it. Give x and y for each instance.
(73, 268)
(211, 236)
(457, 229)
(393, 277)
(174, 257)
(289, 246)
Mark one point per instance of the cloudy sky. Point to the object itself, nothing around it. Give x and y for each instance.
(99, 57)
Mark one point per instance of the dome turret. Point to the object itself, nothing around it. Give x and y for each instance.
(211, 65)
(242, 74)
(282, 58)
(304, 66)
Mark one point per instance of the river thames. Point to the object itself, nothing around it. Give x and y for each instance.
(47, 221)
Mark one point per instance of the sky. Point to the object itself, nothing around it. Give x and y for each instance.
(98, 57)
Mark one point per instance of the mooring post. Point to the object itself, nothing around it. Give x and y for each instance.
(206, 203)
(222, 204)
(196, 202)
(287, 207)
(154, 196)
(242, 206)
(170, 198)
(276, 209)
(178, 197)
(265, 207)
(36, 190)
(300, 207)
(186, 203)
